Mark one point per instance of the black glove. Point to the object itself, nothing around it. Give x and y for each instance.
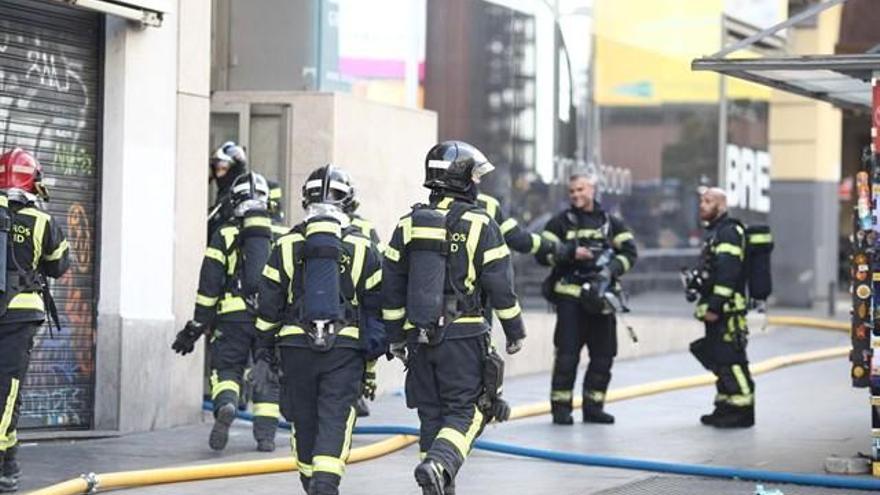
(264, 374)
(500, 410)
(186, 339)
(514, 346)
(370, 386)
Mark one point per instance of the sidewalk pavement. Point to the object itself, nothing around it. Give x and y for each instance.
(804, 414)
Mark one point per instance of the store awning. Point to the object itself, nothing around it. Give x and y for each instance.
(843, 80)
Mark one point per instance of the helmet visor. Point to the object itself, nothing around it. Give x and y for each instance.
(483, 169)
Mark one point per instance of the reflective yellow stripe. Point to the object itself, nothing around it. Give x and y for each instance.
(741, 379)
(470, 319)
(215, 254)
(27, 300)
(508, 313)
(231, 262)
(11, 440)
(471, 245)
(760, 239)
(327, 464)
(560, 395)
(349, 429)
(623, 261)
(357, 267)
(280, 230)
(6, 419)
(700, 312)
(4, 201)
(550, 236)
(595, 395)
(741, 400)
(491, 204)
(229, 234)
(287, 262)
(621, 238)
(266, 409)
(272, 273)
(392, 254)
(352, 332)
(444, 203)
(508, 225)
(728, 248)
(584, 234)
(536, 243)
(434, 233)
(257, 222)
(495, 254)
(275, 193)
(304, 469)
(203, 300)
(405, 225)
(393, 314)
(59, 251)
(567, 289)
(219, 387)
(264, 326)
(463, 443)
(720, 290)
(291, 330)
(39, 232)
(324, 227)
(231, 304)
(374, 280)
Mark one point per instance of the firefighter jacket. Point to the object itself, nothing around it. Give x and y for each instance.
(368, 230)
(282, 290)
(722, 259)
(605, 235)
(478, 262)
(221, 294)
(38, 248)
(517, 238)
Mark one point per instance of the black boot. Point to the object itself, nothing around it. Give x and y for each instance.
(264, 432)
(361, 408)
(561, 413)
(223, 418)
(431, 477)
(735, 417)
(594, 413)
(11, 469)
(709, 419)
(7, 484)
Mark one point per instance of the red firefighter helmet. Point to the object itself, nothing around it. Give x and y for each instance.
(20, 170)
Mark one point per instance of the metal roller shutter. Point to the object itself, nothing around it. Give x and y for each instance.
(50, 87)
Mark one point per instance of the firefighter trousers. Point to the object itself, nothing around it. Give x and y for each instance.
(319, 390)
(443, 383)
(232, 345)
(16, 343)
(723, 352)
(576, 328)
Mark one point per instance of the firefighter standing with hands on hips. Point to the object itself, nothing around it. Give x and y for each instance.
(34, 247)
(441, 258)
(594, 249)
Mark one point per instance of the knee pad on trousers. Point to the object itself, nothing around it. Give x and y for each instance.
(700, 349)
(566, 364)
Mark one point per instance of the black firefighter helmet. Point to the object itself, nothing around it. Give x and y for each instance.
(453, 165)
(329, 185)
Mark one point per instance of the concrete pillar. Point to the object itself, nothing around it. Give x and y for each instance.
(153, 119)
(805, 143)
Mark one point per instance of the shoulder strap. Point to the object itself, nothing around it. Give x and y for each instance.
(456, 211)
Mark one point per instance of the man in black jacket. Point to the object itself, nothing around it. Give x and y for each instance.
(594, 249)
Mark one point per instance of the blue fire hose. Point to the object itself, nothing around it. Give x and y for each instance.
(629, 463)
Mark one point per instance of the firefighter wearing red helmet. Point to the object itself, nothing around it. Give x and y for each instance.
(35, 248)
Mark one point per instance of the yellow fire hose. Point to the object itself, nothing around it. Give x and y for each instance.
(92, 482)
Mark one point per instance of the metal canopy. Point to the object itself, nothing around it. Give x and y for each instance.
(843, 80)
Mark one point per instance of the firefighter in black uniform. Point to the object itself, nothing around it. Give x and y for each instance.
(319, 304)
(35, 247)
(517, 238)
(441, 258)
(722, 308)
(225, 307)
(594, 249)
